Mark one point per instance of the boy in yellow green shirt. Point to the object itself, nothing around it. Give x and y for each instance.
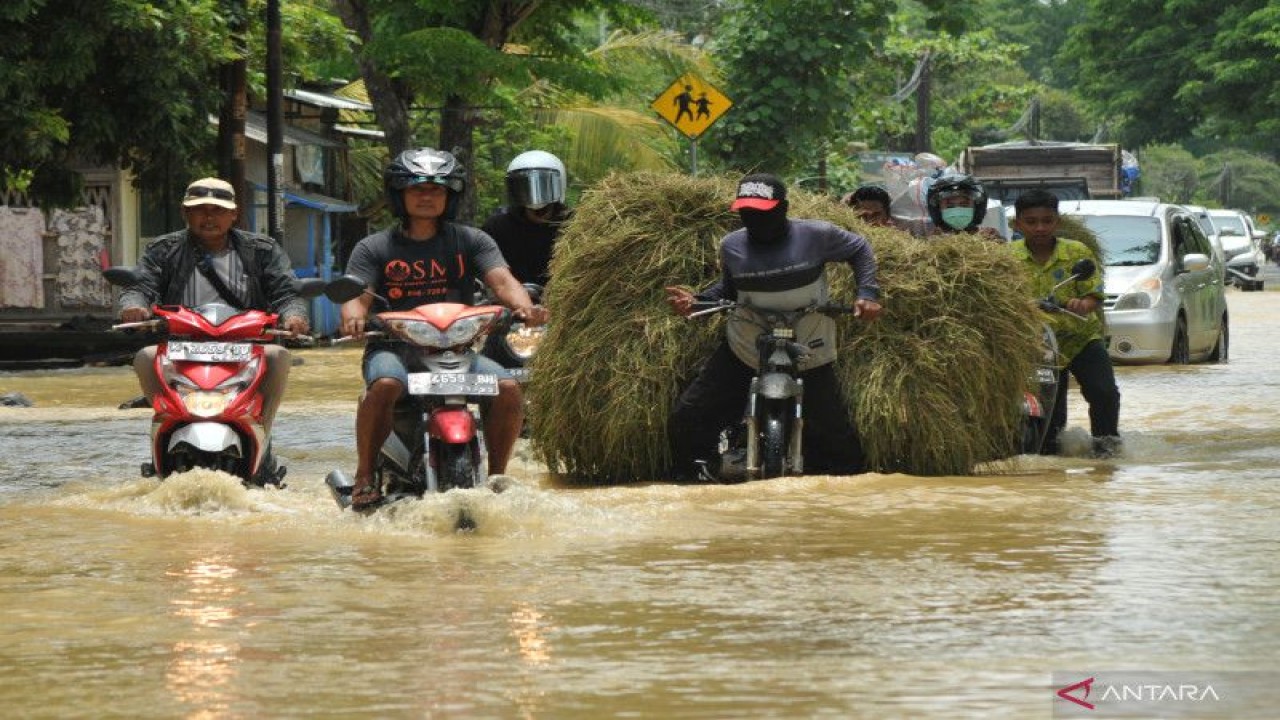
(1082, 351)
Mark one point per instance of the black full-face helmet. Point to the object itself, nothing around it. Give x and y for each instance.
(424, 165)
(950, 184)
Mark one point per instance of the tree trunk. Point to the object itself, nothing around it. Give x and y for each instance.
(390, 99)
(457, 123)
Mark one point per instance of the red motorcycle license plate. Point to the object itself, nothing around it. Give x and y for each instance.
(429, 383)
(210, 351)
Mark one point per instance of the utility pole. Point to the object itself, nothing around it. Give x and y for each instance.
(275, 125)
(231, 117)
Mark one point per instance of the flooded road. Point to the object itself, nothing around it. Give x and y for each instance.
(872, 596)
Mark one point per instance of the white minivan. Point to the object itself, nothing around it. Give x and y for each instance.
(1166, 301)
(1240, 245)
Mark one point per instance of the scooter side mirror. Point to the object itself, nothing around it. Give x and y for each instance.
(344, 288)
(122, 275)
(1083, 269)
(311, 287)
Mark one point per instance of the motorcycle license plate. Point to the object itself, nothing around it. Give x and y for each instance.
(430, 383)
(1046, 375)
(210, 351)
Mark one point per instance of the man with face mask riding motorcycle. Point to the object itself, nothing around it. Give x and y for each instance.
(427, 257)
(773, 263)
(527, 228)
(957, 203)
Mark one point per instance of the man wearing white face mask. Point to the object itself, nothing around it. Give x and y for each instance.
(958, 203)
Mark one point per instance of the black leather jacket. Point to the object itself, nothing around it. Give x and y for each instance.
(170, 259)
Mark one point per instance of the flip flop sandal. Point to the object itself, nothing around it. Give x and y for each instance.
(365, 496)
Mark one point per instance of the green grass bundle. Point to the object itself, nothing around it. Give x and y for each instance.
(934, 385)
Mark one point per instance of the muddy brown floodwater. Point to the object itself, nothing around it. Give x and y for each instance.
(872, 596)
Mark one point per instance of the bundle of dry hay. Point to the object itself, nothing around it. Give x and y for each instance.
(935, 385)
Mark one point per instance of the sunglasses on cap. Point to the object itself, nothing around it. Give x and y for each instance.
(219, 193)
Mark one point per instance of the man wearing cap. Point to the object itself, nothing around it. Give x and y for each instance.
(773, 263)
(209, 262)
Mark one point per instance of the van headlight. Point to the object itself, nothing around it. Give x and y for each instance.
(1143, 296)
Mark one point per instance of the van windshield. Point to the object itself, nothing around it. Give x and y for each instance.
(1125, 240)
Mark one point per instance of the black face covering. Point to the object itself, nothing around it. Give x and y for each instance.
(765, 227)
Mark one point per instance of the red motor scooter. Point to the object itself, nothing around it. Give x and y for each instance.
(437, 439)
(211, 365)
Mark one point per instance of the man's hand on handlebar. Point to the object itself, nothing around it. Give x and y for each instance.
(352, 324)
(135, 314)
(1082, 305)
(297, 325)
(680, 300)
(866, 309)
(533, 315)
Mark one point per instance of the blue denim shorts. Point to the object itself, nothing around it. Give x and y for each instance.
(388, 363)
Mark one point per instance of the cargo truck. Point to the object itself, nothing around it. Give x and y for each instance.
(1072, 171)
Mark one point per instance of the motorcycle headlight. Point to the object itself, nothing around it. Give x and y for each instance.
(523, 340)
(1142, 296)
(209, 403)
(463, 331)
(420, 333)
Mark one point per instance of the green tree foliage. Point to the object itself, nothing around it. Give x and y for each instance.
(1063, 116)
(1176, 69)
(785, 67)
(1169, 172)
(104, 81)
(1041, 26)
(1239, 179)
(454, 56)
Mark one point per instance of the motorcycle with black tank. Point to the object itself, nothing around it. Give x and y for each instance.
(768, 442)
(1038, 405)
(437, 439)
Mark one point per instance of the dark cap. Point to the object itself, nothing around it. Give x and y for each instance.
(759, 191)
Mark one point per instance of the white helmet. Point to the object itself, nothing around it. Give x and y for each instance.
(535, 179)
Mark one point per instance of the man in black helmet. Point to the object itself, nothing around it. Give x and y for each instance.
(957, 203)
(774, 263)
(427, 258)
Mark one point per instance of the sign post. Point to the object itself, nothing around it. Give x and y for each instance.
(691, 106)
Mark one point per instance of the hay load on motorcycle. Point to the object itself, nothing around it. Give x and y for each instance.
(935, 385)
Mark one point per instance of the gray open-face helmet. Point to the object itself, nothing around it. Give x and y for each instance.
(952, 183)
(535, 179)
(424, 165)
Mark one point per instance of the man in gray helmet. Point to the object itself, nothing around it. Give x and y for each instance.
(527, 227)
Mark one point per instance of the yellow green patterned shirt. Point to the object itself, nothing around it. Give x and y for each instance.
(1073, 334)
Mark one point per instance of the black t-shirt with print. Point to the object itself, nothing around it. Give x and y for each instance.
(409, 273)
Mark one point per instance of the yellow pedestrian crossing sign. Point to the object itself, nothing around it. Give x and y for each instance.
(691, 105)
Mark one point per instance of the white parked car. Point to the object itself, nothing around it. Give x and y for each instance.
(1240, 245)
(1166, 301)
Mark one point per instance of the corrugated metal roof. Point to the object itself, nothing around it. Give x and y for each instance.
(314, 201)
(359, 131)
(325, 100)
(255, 128)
